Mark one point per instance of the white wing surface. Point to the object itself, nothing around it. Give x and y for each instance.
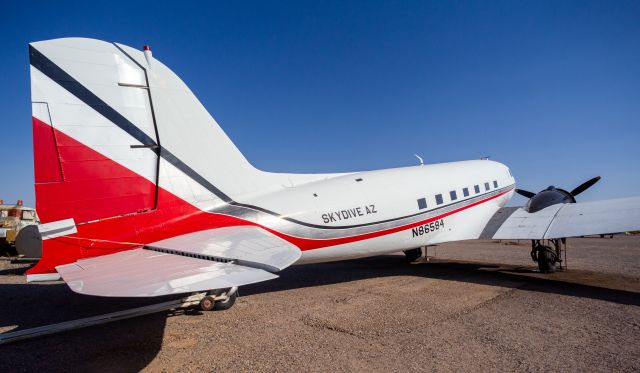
(569, 220)
(200, 261)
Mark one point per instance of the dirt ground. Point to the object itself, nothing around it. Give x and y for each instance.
(475, 306)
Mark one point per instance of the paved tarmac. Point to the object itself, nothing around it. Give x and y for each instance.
(475, 306)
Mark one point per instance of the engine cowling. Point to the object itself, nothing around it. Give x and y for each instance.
(553, 196)
(548, 197)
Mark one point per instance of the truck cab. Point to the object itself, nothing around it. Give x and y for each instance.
(13, 218)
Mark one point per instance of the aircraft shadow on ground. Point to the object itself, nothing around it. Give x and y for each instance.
(478, 273)
(125, 346)
(131, 345)
(13, 271)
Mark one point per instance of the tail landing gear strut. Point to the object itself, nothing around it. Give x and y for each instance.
(549, 252)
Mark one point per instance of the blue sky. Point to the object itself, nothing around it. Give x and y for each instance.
(551, 89)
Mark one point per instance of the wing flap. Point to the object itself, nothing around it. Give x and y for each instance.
(147, 273)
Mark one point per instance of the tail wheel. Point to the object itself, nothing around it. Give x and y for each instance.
(207, 303)
(212, 302)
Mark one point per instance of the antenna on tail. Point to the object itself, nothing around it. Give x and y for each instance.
(147, 54)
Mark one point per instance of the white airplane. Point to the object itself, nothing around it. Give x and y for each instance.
(142, 194)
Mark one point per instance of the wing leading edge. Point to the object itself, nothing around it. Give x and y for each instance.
(211, 259)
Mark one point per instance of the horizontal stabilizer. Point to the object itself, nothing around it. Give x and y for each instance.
(147, 273)
(200, 261)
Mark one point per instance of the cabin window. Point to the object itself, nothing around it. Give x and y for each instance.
(495, 183)
(486, 186)
(422, 203)
(439, 200)
(465, 192)
(453, 195)
(476, 188)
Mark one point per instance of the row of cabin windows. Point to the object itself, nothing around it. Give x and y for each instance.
(453, 195)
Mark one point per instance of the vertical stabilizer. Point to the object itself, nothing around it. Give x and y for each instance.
(109, 130)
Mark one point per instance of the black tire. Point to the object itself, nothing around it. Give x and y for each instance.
(226, 304)
(546, 261)
(207, 303)
(412, 255)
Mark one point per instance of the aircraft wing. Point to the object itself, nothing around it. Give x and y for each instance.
(210, 259)
(565, 220)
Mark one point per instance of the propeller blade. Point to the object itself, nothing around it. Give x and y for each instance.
(525, 193)
(584, 186)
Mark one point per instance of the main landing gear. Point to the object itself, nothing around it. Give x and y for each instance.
(219, 300)
(548, 253)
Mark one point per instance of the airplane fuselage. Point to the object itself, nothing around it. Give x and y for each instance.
(376, 212)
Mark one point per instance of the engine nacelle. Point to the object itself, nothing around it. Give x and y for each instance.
(548, 197)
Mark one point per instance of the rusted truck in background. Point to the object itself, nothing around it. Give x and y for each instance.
(17, 223)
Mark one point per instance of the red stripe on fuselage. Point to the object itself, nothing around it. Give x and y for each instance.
(309, 244)
(173, 217)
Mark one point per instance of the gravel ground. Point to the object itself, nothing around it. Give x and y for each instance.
(475, 306)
